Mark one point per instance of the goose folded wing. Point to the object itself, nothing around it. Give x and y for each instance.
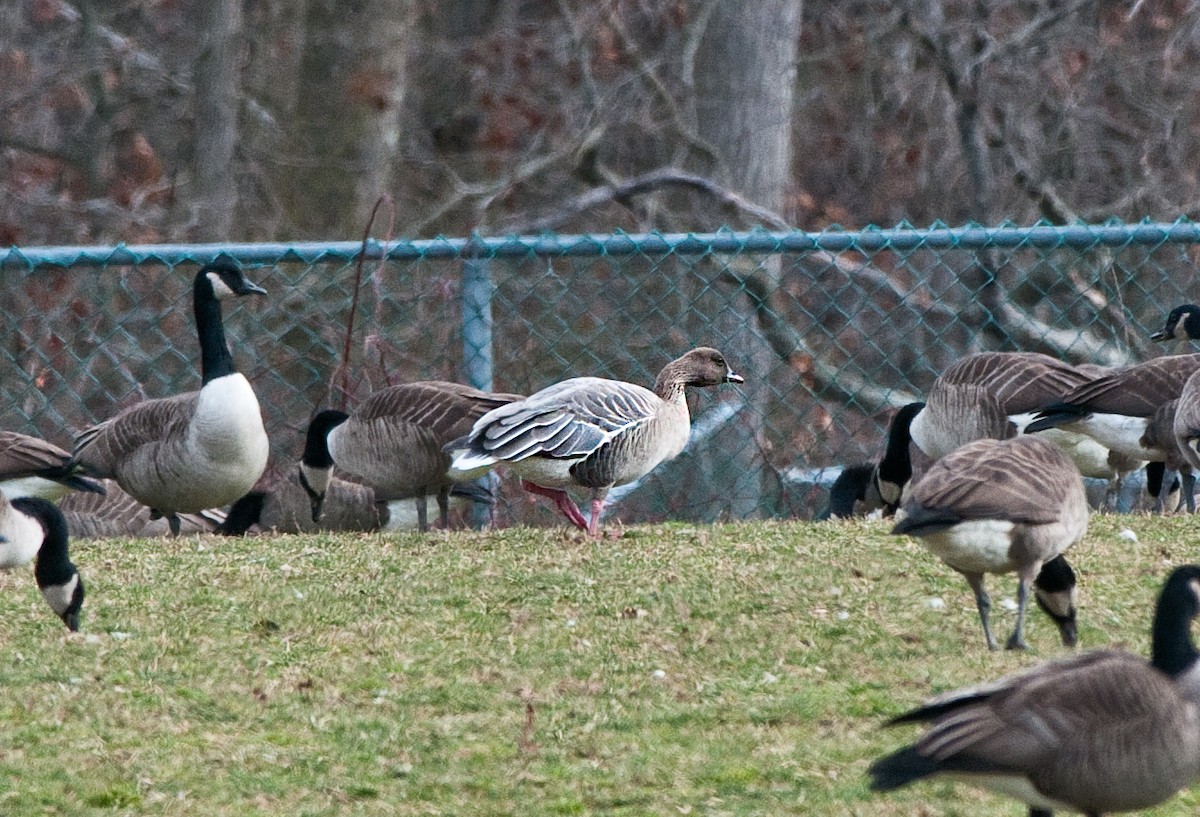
(447, 409)
(992, 490)
(571, 424)
(98, 448)
(25, 456)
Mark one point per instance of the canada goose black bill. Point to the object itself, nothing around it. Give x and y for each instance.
(1097, 733)
(33, 529)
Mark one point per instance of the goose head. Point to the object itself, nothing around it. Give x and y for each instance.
(1182, 324)
(56, 576)
(316, 464)
(1054, 592)
(225, 279)
(704, 366)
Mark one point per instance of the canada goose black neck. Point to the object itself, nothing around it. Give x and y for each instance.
(896, 465)
(56, 576)
(316, 441)
(1171, 648)
(215, 358)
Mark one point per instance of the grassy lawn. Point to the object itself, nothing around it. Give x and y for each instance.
(675, 670)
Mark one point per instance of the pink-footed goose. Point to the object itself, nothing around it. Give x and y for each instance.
(590, 432)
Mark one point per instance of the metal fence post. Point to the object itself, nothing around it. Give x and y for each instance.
(478, 360)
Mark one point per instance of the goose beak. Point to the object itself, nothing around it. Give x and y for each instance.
(1160, 336)
(733, 377)
(71, 619)
(248, 288)
(318, 501)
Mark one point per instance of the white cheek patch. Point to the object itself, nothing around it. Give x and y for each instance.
(220, 288)
(1059, 603)
(59, 596)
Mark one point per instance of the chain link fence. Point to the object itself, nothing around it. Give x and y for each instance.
(832, 331)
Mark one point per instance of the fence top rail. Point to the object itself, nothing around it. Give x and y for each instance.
(762, 242)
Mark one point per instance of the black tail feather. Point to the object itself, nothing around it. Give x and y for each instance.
(900, 768)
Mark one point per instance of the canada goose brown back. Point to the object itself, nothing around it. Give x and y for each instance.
(393, 441)
(1134, 391)
(998, 506)
(116, 514)
(1098, 733)
(1020, 381)
(590, 432)
(194, 451)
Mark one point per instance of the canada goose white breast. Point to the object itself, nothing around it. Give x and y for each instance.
(227, 425)
(23, 537)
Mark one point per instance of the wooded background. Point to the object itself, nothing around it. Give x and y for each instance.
(257, 120)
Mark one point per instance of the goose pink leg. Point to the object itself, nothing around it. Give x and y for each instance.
(593, 527)
(564, 503)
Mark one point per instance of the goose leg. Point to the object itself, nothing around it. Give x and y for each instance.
(1187, 482)
(422, 512)
(1016, 641)
(983, 604)
(173, 523)
(565, 504)
(594, 523)
(443, 501)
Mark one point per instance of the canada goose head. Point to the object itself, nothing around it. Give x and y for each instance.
(895, 469)
(224, 279)
(1054, 592)
(316, 464)
(56, 576)
(703, 366)
(1182, 324)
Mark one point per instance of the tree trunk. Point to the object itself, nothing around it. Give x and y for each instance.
(744, 95)
(218, 102)
(345, 133)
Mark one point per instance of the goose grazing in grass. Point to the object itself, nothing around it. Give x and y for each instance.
(33, 528)
(1097, 733)
(30, 466)
(863, 489)
(998, 506)
(285, 501)
(393, 441)
(194, 451)
(590, 432)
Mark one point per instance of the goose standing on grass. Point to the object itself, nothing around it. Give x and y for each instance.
(194, 451)
(284, 501)
(863, 489)
(1098, 733)
(33, 528)
(590, 432)
(998, 506)
(393, 442)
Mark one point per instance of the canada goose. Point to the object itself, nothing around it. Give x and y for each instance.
(1160, 436)
(1183, 323)
(31, 527)
(862, 489)
(1185, 430)
(285, 501)
(1096, 733)
(393, 441)
(194, 451)
(590, 432)
(1114, 409)
(116, 514)
(991, 395)
(996, 506)
(30, 466)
